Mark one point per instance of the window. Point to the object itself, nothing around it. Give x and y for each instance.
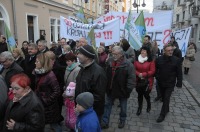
(177, 17)
(55, 29)
(93, 7)
(1, 25)
(183, 15)
(30, 29)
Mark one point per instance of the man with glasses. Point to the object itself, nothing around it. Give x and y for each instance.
(10, 67)
(121, 81)
(168, 75)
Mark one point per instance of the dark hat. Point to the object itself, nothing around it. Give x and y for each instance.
(88, 51)
(85, 99)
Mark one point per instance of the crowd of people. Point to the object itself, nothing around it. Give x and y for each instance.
(37, 81)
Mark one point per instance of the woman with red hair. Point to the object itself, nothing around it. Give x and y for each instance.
(25, 112)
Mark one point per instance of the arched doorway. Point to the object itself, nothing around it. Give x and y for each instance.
(4, 19)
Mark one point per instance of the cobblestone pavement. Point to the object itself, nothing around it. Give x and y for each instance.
(184, 115)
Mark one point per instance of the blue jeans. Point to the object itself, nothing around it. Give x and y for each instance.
(108, 108)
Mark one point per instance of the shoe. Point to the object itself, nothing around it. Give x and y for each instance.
(139, 111)
(160, 118)
(104, 126)
(121, 124)
(148, 108)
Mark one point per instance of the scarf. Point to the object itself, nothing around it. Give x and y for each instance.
(40, 71)
(70, 68)
(141, 59)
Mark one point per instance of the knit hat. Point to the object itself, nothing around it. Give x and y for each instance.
(88, 51)
(85, 99)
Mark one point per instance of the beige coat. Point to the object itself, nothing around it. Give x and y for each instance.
(190, 52)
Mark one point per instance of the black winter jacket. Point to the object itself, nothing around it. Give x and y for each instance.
(169, 71)
(92, 79)
(123, 82)
(28, 114)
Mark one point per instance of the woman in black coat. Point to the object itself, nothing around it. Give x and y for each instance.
(25, 112)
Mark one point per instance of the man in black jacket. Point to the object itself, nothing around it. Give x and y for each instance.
(168, 75)
(121, 81)
(91, 78)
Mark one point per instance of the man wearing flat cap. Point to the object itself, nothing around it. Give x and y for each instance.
(91, 78)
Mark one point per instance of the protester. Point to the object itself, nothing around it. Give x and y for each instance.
(72, 69)
(145, 69)
(3, 100)
(87, 120)
(53, 47)
(168, 75)
(42, 46)
(91, 78)
(10, 67)
(29, 63)
(25, 112)
(3, 44)
(25, 47)
(187, 59)
(102, 56)
(129, 51)
(121, 81)
(48, 91)
(19, 57)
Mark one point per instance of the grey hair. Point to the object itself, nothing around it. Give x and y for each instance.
(119, 49)
(7, 55)
(33, 45)
(43, 42)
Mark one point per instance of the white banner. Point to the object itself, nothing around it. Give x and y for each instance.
(158, 24)
(182, 38)
(107, 32)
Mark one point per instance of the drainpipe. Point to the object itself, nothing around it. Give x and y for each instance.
(14, 18)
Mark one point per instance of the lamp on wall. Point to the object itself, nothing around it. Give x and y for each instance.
(136, 4)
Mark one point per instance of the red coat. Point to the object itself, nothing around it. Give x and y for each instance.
(146, 68)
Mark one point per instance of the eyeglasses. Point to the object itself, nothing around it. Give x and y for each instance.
(15, 88)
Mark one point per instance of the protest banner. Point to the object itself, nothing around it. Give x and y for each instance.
(158, 24)
(182, 38)
(104, 32)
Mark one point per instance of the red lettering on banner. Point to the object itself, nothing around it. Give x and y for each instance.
(108, 18)
(107, 34)
(166, 34)
(149, 21)
(68, 22)
(98, 35)
(123, 18)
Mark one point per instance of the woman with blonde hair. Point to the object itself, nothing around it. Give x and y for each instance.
(19, 56)
(48, 90)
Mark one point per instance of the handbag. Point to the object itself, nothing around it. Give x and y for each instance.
(70, 120)
(142, 83)
(192, 58)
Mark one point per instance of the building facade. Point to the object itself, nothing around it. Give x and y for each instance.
(187, 13)
(30, 19)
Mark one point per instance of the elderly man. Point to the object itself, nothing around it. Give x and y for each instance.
(121, 81)
(10, 67)
(42, 46)
(168, 75)
(91, 78)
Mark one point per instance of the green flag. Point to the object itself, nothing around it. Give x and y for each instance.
(140, 25)
(134, 38)
(10, 39)
(91, 38)
(81, 15)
